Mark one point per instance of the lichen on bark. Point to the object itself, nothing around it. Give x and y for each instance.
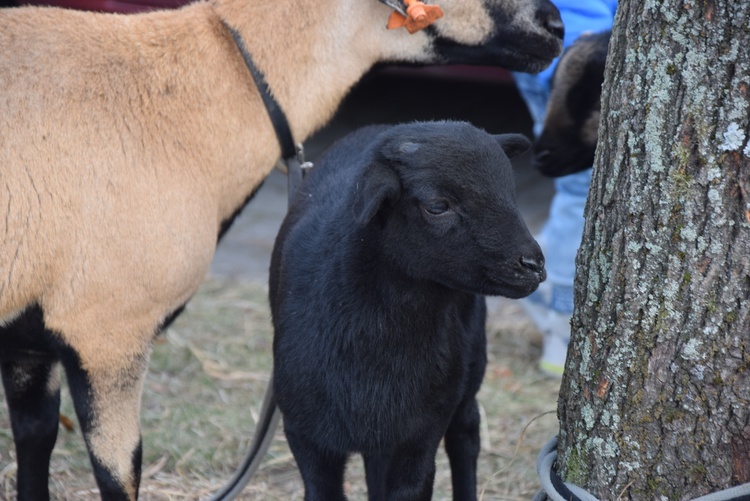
(655, 397)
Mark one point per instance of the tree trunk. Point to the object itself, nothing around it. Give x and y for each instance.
(656, 396)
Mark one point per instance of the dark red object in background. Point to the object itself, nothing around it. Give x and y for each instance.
(124, 6)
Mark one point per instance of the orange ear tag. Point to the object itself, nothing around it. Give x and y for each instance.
(419, 16)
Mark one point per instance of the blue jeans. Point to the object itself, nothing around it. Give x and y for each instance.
(561, 234)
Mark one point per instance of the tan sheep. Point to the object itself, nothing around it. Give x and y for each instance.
(125, 144)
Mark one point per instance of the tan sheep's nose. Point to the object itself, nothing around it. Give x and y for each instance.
(549, 17)
(556, 27)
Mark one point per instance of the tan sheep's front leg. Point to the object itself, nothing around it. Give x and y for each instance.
(107, 401)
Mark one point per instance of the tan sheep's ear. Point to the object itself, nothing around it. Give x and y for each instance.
(378, 186)
(513, 144)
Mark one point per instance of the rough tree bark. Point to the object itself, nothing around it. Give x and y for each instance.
(655, 399)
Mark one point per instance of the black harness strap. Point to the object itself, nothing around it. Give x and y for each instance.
(278, 118)
(292, 156)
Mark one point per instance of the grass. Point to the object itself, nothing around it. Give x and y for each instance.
(208, 375)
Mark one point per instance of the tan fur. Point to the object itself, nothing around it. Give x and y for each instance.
(151, 143)
(117, 404)
(127, 140)
(125, 157)
(475, 25)
(54, 382)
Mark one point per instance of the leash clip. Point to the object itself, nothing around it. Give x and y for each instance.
(301, 158)
(297, 168)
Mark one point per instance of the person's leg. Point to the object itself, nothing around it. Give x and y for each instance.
(552, 305)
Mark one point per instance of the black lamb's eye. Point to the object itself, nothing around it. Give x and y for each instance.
(436, 208)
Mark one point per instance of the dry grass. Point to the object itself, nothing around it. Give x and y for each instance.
(207, 380)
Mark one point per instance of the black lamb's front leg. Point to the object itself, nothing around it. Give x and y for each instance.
(322, 470)
(377, 465)
(462, 440)
(462, 443)
(32, 391)
(411, 471)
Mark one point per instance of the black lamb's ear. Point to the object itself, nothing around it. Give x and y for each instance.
(378, 185)
(513, 144)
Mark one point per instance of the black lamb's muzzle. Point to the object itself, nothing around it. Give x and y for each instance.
(516, 277)
(513, 287)
(534, 264)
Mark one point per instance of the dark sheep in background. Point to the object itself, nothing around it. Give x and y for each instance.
(568, 141)
(377, 282)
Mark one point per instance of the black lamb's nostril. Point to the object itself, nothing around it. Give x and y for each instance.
(535, 264)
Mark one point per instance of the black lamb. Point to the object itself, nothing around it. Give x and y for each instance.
(377, 288)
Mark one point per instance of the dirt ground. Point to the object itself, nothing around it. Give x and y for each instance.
(208, 376)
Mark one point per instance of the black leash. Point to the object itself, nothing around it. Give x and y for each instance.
(293, 157)
(278, 118)
(268, 421)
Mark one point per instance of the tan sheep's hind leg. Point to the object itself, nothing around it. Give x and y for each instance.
(107, 401)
